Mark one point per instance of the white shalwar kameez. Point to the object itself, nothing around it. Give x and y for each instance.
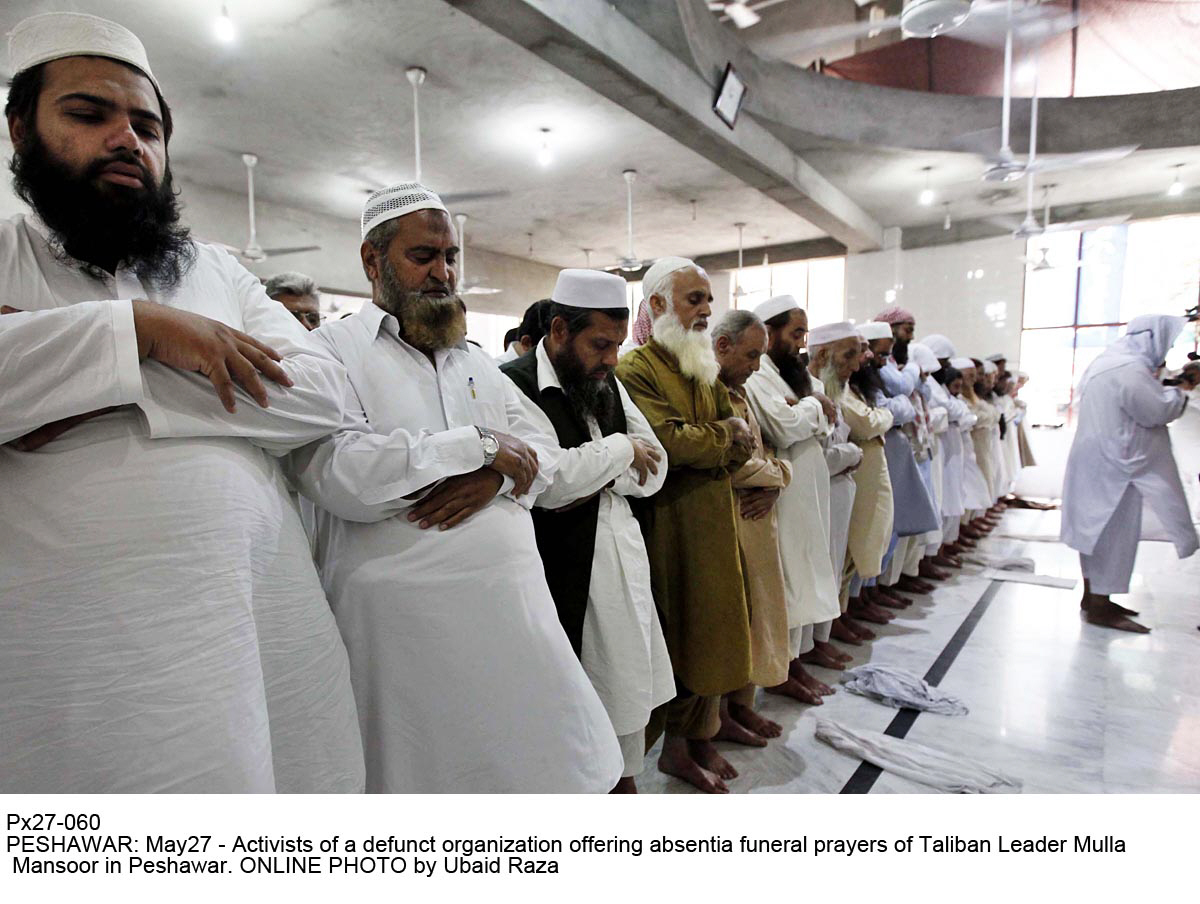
(161, 625)
(796, 431)
(623, 650)
(841, 458)
(960, 422)
(1121, 457)
(464, 679)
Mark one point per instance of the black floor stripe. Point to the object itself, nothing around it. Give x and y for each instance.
(865, 775)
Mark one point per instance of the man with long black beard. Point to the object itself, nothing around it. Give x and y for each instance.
(161, 625)
(690, 527)
(795, 419)
(464, 679)
(590, 543)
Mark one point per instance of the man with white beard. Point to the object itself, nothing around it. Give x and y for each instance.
(690, 527)
(161, 625)
(835, 352)
(464, 679)
(795, 419)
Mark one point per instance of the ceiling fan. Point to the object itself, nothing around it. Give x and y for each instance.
(1042, 262)
(466, 287)
(630, 263)
(980, 22)
(738, 11)
(253, 252)
(416, 77)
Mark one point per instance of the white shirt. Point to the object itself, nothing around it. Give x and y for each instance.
(464, 678)
(161, 625)
(623, 649)
(797, 432)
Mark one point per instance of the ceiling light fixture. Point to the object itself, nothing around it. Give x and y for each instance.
(224, 28)
(544, 157)
(1177, 187)
(927, 196)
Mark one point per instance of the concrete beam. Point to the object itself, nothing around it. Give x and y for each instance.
(590, 41)
(779, 254)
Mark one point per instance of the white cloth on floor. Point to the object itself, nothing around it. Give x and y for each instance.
(901, 689)
(917, 762)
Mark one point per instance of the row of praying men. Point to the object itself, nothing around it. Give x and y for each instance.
(494, 579)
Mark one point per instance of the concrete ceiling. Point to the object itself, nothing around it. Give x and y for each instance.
(316, 88)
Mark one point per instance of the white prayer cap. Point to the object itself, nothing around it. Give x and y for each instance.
(875, 329)
(396, 201)
(775, 306)
(989, 367)
(924, 358)
(53, 36)
(831, 332)
(593, 289)
(999, 356)
(962, 363)
(653, 282)
(939, 345)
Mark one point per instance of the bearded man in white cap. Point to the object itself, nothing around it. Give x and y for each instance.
(872, 517)
(835, 352)
(464, 679)
(795, 419)
(590, 542)
(161, 625)
(691, 532)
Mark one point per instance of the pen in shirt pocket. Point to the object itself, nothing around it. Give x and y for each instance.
(471, 386)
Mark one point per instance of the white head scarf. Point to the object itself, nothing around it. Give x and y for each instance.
(1147, 340)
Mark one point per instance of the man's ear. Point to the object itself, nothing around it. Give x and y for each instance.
(17, 131)
(370, 261)
(658, 305)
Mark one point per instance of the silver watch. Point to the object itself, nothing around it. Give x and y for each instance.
(491, 446)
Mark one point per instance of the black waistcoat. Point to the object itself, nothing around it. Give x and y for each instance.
(567, 539)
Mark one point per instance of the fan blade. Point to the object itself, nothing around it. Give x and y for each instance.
(1058, 162)
(800, 42)
(463, 197)
(741, 15)
(1083, 225)
(985, 143)
(1032, 25)
(275, 252)
(480, 290)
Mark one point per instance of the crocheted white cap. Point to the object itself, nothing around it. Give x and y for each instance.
(397, 201)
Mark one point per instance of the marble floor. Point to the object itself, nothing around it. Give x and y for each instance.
(1062, 705)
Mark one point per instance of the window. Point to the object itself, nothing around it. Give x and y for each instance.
(1096, 283)
(819, 285)
(489, 329)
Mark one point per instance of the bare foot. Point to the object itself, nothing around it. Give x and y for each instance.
(737, 733)
(928, 569)
(840, 631)
(1083, 604)
(797, 671)
(869, 612)
(946, 560)
(706, 755)
(863, 632)
(832, 652)
(797, 691)
(748, 718)
(625, 785)
(1109, 615)
(676, 759)
(909, 584)
(817, 656)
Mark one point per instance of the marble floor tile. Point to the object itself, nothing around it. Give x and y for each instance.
(1062, 705)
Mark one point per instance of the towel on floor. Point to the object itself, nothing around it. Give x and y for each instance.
(902, 690)
(916, 762)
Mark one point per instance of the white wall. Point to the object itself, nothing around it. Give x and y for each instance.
(981, 314)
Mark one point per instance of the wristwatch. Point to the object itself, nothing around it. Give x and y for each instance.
(491, 446)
